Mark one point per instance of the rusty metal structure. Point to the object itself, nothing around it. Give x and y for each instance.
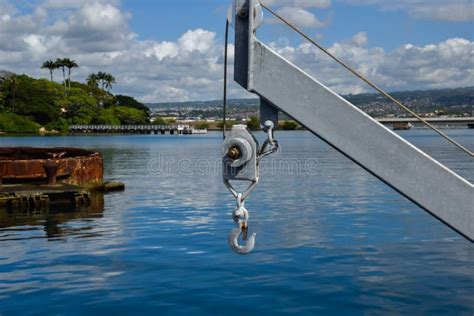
(42, 179)
(20, 165)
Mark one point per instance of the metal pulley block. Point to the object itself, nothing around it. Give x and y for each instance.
(239, 152)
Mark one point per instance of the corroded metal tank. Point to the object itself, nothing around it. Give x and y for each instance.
(39, 165)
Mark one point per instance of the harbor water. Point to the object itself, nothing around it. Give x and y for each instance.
(331, 238)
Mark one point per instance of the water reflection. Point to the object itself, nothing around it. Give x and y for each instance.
(335, 242)
(51, 219)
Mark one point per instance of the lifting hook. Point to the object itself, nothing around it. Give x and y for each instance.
(234, 242)
(240, 217)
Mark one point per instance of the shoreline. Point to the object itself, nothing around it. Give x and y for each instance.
(7, 134)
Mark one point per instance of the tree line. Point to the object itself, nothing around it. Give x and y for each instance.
(101, 79)
(26, 104)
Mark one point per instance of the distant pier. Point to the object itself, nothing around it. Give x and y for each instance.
(178, 129)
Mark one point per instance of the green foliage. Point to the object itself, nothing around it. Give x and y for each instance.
(160, 121)
(124, 100)
(102, 79)
(130, 115)
(26, 104)
(12, 123)
(202, 125)
(79, 107)
(289, 125)
(61, 125)
(2, 100)
(228, 124)
(254, 123)
(107, 116)
(33, 98)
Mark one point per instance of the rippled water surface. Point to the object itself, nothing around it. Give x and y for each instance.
(330, 237)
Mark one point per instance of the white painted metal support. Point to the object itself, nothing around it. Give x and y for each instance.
(398, 163)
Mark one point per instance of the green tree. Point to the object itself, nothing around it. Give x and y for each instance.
(60, 63)
(109, 80)
(81, 108)
(228, 124)
(35, 99)
(12, 123)
(93, 81)
(51, 66)
(160, 121)
(290, 125)
(202, 125)
(125, 100)
(254, 123)
(130, 116)
(69, 64)
(101, 79)
(13, 84)
(2, 100)
(107, 116)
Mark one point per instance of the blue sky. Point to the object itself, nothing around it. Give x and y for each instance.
(167, 20)
(172, 50)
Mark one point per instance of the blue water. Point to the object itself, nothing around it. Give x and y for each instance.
(331, 238)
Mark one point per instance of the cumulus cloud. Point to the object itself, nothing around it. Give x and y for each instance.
(300, 17)
(439, 10)
(322, 4)
(446, 64)
(299, 12)
(360, 39)
(96, 34)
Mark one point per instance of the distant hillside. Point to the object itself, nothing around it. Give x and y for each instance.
(459, 100)
(202, 104)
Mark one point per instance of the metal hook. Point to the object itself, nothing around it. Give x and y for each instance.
(234, 242)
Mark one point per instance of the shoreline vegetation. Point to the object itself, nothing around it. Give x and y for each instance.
(43, 106)
(46, 107)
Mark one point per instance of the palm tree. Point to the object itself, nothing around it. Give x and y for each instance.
(93, 81)
(61, 64)
(69, 64)
(50, 65)
(109, 80)
(101, 77)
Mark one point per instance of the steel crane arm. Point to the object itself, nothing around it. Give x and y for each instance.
(383, 153)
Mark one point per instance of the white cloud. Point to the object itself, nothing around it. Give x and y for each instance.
(446, 64)
(299, 12)
(440, 10)
(200, 40)
(97, 35)
(300, 17)
(322, 4)
(360, 39)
